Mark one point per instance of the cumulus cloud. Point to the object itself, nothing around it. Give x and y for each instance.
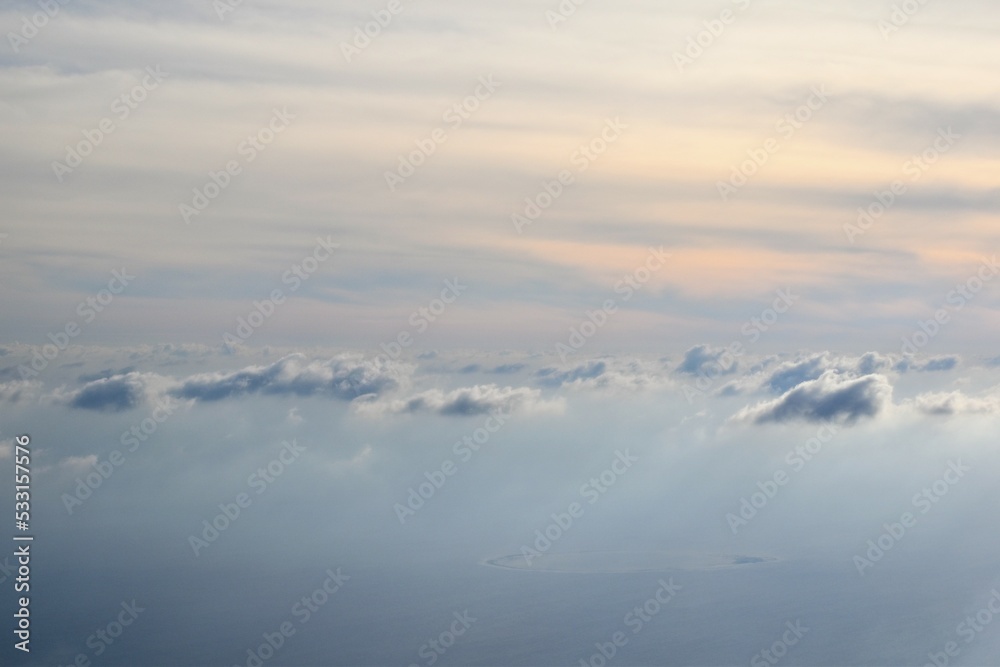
(114, 394)
(345, 378)
(702, 358)
(791, 374)
(873, 362)
(776, 375)
(788, 374)
(956, 403)
(831, 397)
(466, 401)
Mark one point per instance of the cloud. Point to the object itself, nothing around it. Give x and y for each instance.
(872, 362)
(553, 377)
(791, 374)
(506, 369)
(608, 374)
(934, 364)
(697, 358)
(104, 374)
(78, 464)
(345, 378)
(114, 394)
(466, 401)
(788, 374)
(956, 403)
(17, 391)
(831, 397)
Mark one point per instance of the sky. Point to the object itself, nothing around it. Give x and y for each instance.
(403, 289)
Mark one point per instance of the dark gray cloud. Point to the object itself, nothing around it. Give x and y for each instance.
(831, 397)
